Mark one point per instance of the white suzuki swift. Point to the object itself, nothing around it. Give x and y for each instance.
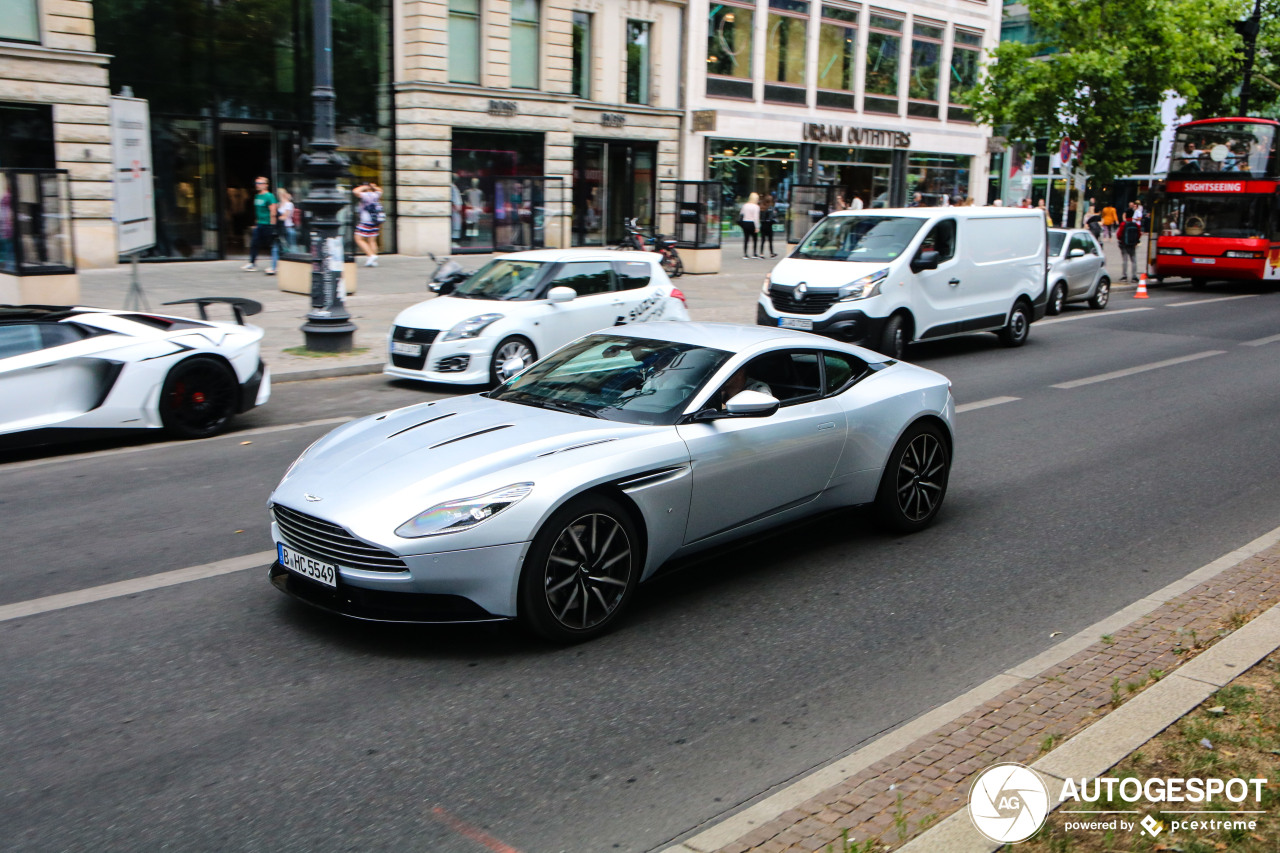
(519, 306)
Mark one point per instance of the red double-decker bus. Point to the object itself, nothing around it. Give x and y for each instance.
(1217, 215)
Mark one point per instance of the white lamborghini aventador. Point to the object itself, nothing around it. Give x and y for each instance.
(65, 371)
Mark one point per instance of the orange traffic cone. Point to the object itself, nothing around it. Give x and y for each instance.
(1142, 287)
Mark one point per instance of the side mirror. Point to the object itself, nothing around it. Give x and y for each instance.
(1076, 253)
(752, 404)
(562, 294)
(513, 365)
(927, 259)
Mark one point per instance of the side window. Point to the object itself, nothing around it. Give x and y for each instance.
(632, 275)
(790, 376)
(941, 239)
(841, 370)
(1080, 241)
(57, 334)
(19, 339)
(586, 277)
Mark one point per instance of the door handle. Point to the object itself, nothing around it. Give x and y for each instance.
(954, 282)
(829, 425)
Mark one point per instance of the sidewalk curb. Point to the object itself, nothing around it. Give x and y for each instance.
(731, 829)
(299, 374)
(1107, 742)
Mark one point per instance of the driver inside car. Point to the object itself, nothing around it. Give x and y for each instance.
(737, 383)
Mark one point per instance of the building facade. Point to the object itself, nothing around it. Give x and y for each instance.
(870, 97)
(55, 111)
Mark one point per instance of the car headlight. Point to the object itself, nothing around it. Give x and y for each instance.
(464, 514)
(471, 327)
(1167, 251)
(867, 286)
(768, 280)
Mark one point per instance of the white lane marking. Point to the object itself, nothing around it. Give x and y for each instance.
(117, 451)
(132, 586)
(1142, 368)
(982, 404)
(1187, 302)
(1087, 316)
(1261, 341)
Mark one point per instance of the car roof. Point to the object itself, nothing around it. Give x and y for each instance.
(732, 337)
(555, 255)
(929, 212)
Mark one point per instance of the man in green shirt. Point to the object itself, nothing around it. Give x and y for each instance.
(264, 229)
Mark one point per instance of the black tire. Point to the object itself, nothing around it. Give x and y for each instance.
(1057, 299)
(893, 338)
(198, 397)
(581, 571)
(1102, 295)
(914, 481)
(507, 348)
(1015, 332)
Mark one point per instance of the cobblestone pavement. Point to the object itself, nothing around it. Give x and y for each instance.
(899, 797)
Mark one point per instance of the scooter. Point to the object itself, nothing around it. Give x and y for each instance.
(448, 275)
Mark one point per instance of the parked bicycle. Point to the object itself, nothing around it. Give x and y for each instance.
(634, 241)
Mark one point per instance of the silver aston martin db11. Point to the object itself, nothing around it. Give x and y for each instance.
(550, 498)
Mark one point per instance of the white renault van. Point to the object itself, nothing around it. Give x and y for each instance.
(884, 278)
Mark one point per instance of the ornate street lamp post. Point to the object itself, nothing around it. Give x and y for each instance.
(328, 327)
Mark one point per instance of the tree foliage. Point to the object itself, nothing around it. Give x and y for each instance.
(1101, 68)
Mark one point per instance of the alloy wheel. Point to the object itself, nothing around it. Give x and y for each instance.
(508, 351)
(588, 571)
(922, 472)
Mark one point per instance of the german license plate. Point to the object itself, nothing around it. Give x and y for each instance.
(795, 323)
(1202, 260)
(308, 567)
(401, 348)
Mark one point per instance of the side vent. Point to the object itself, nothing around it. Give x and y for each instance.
(576, 447)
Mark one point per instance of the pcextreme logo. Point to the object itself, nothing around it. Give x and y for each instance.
(1009, 802)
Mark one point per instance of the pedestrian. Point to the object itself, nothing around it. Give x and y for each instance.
(370, 222)
(856, 202)
(839, 203)
(1138, 213)
(287, 214)
(1044, 208)
(264, 231)
(917, 200)
(768, 216)
(1109, 221)
(1129, 237)
(749, 221)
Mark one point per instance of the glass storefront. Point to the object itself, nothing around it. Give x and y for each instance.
(743, 167)
(480, 159)
(858, 173)
(229, 87)
(613, 180)
(937, 177)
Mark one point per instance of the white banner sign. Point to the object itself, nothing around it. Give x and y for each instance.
(131, 175)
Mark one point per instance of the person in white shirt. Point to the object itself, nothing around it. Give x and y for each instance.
(749, 219)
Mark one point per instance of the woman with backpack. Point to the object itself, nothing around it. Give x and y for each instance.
(370, 220)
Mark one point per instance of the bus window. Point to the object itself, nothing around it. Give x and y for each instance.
(1240, 147)
(1217, 216)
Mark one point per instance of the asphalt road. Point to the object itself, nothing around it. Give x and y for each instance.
(218, 714)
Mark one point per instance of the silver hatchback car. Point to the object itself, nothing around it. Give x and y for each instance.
(1077, 270)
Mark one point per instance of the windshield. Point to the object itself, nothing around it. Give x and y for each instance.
(1239, 147)
(502, 279)
(859, 238)
(1237, 215)
(1056, 239)
(633, 380)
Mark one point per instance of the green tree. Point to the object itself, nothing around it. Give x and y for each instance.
(1110, 65)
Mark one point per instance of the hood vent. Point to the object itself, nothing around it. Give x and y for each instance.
(424, 423)
(577, 446)
(472, 435)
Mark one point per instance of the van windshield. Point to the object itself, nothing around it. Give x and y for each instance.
(859, 238)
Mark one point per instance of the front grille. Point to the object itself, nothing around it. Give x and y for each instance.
(331, 543)
(412, 336)
(453, 364)
(814, 302)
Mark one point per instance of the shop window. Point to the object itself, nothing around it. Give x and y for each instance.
(464, 41)
(19, 20)
(965, 53)
(582, 54)
(884, 48)
(785, 51)
(524, 44)
(926, 58)
(638, 62)
(26, 136)
(729, 50)
(837, 53)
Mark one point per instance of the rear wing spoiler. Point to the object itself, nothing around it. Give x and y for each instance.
(240, 306)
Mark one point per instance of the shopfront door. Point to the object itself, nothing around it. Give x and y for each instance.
(612, 181)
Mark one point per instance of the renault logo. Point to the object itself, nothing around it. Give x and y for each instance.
(800, 291)
(311, 497)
